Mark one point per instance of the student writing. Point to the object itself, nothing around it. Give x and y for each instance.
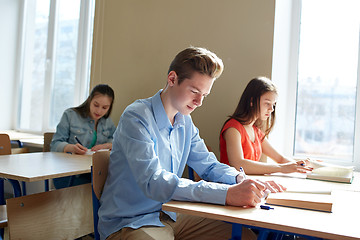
(88, 126)
(242, 140)
(154, 140)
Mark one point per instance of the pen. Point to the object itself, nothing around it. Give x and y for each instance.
(242, 172)
(266, 207)
(76, 138)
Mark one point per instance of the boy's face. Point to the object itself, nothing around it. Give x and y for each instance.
(189, 95)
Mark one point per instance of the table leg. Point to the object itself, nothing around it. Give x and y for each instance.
(2, 197)
(16, 186)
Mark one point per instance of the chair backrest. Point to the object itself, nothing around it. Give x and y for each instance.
(99, 172)
(59, 214)
(5, 144)
(47, 140)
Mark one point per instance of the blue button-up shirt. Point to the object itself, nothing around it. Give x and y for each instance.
(73, 124)
(147, 161)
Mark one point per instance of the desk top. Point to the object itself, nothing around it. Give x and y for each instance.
(15, 135)
(340, 224)
(31, 167)
(32, 140)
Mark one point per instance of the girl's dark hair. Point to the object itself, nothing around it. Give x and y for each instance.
(104, 89)
(249, 104)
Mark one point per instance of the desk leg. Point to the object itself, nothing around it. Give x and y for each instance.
(23, 184)
(2, 197)
(19, 143)
(237, 232)
(47, 184)
(264, 233)
(16, 187)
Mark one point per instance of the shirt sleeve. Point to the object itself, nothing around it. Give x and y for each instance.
(61, 136)
(138, 143)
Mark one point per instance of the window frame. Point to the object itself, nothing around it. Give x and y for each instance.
(83, 60)
(285, 73)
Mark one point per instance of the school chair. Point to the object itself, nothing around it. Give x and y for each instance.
(59, 214)
(5, 149)
(47, 140)
(46, 148)
(5, 144)
(99, 172)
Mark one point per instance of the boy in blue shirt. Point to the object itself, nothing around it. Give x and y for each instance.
(153, 142)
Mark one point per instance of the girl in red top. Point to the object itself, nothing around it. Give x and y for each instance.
(241, 139)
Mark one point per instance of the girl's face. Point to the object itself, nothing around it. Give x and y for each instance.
(267, 105)
(99, 106)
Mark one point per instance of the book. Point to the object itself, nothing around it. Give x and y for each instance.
(330, 172)
(310, 201)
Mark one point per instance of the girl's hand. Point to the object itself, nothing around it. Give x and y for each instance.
(75, 148)
(298, 166)
(102, 146)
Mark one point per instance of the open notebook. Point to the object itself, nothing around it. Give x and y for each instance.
(330, 172)
(89, 152)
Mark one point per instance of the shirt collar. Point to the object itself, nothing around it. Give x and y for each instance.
(160, 115)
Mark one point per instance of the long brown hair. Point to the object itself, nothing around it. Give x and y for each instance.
(249, 105)
(104, 89)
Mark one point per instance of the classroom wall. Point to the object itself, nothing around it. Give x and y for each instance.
(135, 41)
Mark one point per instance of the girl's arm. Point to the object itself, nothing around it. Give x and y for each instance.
(237, 160)
(236, 155)
(286, 165)
(269, 151)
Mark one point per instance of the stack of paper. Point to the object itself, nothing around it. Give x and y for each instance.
(329, 172)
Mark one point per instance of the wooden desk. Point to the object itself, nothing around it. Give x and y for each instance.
(31, 167)
(33, 140)
(68, 208)
(340, 224)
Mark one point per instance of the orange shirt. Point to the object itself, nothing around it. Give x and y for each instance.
(252, 150)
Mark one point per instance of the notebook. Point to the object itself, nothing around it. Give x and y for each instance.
(330, 172)
(310, 201)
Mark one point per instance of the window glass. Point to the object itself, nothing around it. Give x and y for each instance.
(55, 57)
(327, 79)
(34, 58)
(65, 60)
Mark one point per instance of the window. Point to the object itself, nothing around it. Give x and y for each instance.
(327, 78)
(55, 60)
(319, 76)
